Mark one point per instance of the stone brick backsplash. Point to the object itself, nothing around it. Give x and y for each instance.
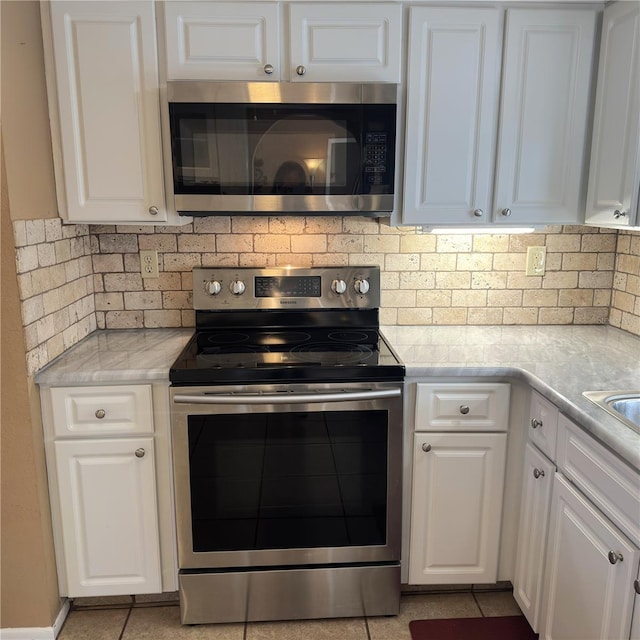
(625, 300)
(55, 280)
(74, 279)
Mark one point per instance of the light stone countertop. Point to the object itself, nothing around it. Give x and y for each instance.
(115, 356)
(558, 361)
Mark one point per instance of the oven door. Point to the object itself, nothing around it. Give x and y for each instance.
(280, 475)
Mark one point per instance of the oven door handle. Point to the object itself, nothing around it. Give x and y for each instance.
(290, 398)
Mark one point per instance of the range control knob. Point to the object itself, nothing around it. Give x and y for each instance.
(361, 286)
(339, 286)
(237, 287)
(213, 287)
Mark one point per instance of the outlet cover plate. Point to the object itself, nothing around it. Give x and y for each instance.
(149, 264)
(536, 261)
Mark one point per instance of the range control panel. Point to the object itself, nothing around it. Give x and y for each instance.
(248, 288)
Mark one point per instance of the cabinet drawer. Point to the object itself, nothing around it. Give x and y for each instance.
(462, 407)
(543, 424)
(601, 476)
(82, 411)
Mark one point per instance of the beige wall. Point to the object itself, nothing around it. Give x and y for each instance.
(25, 115)
(28, 587)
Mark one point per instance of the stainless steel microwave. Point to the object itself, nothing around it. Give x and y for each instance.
(285, 148)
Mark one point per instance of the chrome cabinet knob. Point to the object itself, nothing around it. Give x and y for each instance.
(100, 413)
(636, 586)
(614, 557)
(300, 70)
(237, 287)
(478, 213)
(506, 212)
(538, 473)
(464, 409)
(535, 423)
(339, 286)
(268, 69)
(619, 214)
(426, 447)
(140, 452)
(153, 211)
(213, 287)
(361, 286)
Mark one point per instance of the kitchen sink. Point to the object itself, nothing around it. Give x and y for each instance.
(623, 405)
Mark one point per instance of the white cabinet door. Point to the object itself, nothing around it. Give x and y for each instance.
(108, 114)
(589, 572)
(222, 41)
(108, 507)
(456, 507)
(452, 97)
(543, 424)
(532, 533)
(345, 42)
(544, 113)
(614, 175)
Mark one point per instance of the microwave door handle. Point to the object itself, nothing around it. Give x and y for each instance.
(285, 398)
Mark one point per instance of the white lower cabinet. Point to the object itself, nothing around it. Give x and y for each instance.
(456, 507)
(534, 525)
(635, 621)
(590, 570)
(107, 498)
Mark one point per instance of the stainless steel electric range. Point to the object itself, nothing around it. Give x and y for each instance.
(287, 444)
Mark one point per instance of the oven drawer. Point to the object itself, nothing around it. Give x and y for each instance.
(108, 410)
(462, 407)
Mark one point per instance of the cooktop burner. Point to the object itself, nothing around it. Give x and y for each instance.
(264, 325)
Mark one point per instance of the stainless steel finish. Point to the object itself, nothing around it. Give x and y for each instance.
(623, 405)
(538, 473)
(464, 409)
(339, 286)
(619, 214)
(391, 403)
(286, 397)
(426, 447)
(268, 69)
(506, 212)
(365, 204)
(282, 92)
(615, 557)
(239, 596)
(300, 70)
(153, 211)
(140, 453)
(100, 413)
(478, 213)
(535, 423)
(329, 299)
(636, 586)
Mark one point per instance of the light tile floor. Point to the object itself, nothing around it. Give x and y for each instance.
(146, 619)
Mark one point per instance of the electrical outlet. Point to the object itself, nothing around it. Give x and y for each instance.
(536, 259)
(149, 264)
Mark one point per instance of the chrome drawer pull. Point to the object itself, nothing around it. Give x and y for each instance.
(464, 409)
(535, 423)
(426, 447)
(100, 413)
(140, 452)
(538, 473)
(615, 557)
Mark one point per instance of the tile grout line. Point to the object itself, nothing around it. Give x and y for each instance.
(473, 593)
(126, 622)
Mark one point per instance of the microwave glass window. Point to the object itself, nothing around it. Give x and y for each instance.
(239, 149)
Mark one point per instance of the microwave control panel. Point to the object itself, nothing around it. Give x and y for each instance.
(375, 158)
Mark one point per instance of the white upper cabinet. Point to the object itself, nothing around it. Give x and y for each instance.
(614, 175)
(460, 124)
(324, 42)
(345, 42)
(452, 98)
(222, 40)
(103, 99)
(544, 115)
